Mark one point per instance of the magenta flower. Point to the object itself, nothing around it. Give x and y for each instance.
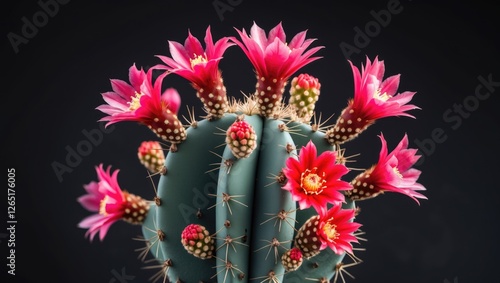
(333, 229)
(392, 173)
(274, 61)
(201, 67)
(111, 204)
(336, 229)
(141, 101)
(374, 98)
(315, 180)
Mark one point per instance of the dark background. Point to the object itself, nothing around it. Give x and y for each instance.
(53, 83)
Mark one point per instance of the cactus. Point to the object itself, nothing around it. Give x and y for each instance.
(254, 190)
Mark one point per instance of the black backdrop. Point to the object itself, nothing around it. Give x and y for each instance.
(53, 76)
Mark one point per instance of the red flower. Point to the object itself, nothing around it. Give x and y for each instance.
(315, 180)
(143, 102)
(274, 61)
(111, 203)
(335, 229)
(200, 67)
(374, 98)
(392, 173)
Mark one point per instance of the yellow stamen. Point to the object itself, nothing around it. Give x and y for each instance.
(330, 231)
(396, 170)
(198, 59)
(311, 182)
(381, 96)
(135, 103)
(102, 206)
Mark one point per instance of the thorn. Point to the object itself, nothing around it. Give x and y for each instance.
(173, 147)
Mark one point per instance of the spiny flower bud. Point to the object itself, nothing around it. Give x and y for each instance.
(151, 156)
(292, 259)
(307, 239)
(241, 138)
(197, 241)
(304, 93)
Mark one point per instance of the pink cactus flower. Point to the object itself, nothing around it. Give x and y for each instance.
(374, 98)
(142, 101)
(200, 66)
(336, 229)
(392, 173)
(111, 204)
(315, 180)
(274, 61)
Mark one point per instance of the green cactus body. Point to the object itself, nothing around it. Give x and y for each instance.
(185, 196)
(271, 239)
(252, 219)
(235, 194)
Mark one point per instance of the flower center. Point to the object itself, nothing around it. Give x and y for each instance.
(330, 231)
(396, 171)
(311, 182)
(381, 96)
(135, 102)
(197, 60)
(102, 206)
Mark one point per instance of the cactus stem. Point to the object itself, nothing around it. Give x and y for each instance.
(226, 198)
(274, 244)
(281, 216)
